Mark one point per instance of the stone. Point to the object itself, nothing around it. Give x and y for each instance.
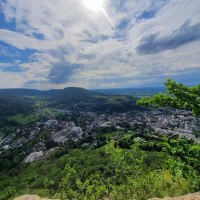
(195, 196)
(32, 197)
(33, 156)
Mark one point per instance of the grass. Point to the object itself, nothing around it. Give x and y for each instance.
(24, 119)
(50, 111)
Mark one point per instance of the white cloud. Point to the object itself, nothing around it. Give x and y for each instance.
(21, 41)
(12, 80)
(64, 31)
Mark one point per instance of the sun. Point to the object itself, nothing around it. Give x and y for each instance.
(93, 5)
(98, 6)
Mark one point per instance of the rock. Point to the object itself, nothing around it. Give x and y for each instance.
(73, 133)
(33, 156)
(51, 122)
(31, 197)
(195, 196)
(6, 147)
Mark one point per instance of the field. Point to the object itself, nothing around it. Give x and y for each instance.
(23, 119)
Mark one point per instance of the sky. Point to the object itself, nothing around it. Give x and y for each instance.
(48, 44)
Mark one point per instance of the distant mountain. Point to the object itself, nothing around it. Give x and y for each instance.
(69, 92)
(84, 99)
(72, 95)
(76, 92)
(21, 92)
(145, 91)
(28, 92)
(66, 96)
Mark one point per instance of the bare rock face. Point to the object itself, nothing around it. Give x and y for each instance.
(195, 196)
(31, 197)
(73, 133)
(33, 156)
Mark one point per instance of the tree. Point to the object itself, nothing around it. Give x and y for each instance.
(177, 96)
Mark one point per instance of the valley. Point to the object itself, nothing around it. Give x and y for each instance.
(98, 132)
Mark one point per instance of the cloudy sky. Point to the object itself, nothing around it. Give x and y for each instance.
(107, 44)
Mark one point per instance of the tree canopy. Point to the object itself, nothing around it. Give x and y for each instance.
(177, 95)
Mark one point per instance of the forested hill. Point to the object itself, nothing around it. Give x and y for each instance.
(22, 101)
(71, 94)
(142, 91)
(11, 105)
(70, 91)
(21, 92)
(82, 98)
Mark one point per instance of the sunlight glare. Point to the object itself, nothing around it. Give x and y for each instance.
(94, 5)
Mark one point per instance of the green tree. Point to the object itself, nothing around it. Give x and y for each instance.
(177, 96)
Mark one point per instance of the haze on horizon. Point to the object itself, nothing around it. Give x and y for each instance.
(111, 44)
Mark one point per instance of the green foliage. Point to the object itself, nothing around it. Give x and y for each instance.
(23, 119)
(177, 96)
(11, 105)
(107, 172)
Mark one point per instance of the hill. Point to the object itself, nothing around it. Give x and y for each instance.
(111, 172)
(79, 98)
(65, 96)
(71, 95)
(21, 92)
(69, 92)
(11, 105)
(139, 92)
(21, 101)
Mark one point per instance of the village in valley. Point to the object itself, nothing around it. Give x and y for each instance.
(46, 136)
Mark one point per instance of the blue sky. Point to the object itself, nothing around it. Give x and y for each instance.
(123, 43)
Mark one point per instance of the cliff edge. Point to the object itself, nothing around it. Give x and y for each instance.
(195, 196)
(32, 197)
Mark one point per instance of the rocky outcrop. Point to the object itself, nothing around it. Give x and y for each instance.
(31, 197)
(195, 196)
(33, 156)
(71, 132)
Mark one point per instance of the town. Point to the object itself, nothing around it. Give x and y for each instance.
(56, 131)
